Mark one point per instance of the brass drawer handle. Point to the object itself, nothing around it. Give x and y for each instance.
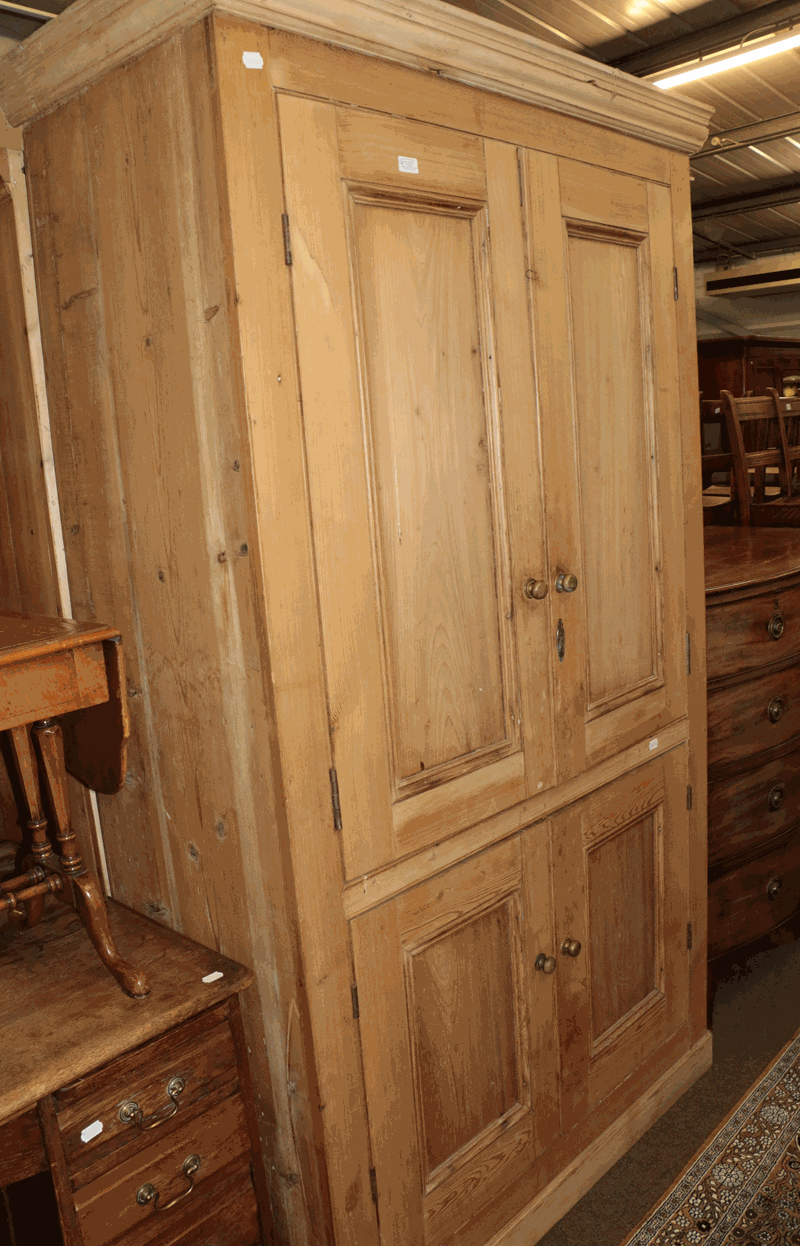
(131, 1114)
(775, 797)
(773, 888)
(148, 1193)
(547, 964)
(566, 583)
(775, 709)
(776, 626)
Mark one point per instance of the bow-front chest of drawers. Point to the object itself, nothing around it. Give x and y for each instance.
(753, 629)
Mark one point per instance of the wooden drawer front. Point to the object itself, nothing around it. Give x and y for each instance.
(204, 1058)
(107, 1207)
(739, 908)
(739, 725)
(752, 808)
(224, 1215)
(737, 633)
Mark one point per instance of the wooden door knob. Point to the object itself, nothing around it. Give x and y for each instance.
(534, 590)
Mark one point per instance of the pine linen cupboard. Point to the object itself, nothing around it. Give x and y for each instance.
(369, 342)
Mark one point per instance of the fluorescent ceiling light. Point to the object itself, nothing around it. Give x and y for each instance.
(730, 61)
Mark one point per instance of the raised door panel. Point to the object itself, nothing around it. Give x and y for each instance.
(621, 891)
(421, 515)
(605, 336)
(457, 1038)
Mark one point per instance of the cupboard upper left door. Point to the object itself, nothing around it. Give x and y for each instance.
(424, 480)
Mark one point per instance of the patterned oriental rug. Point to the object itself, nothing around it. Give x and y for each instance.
(743, 1188)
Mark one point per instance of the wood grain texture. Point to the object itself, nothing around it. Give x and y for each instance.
(423, 33)
(752, 808)
(737, 632)
(740, 906)
(739, 724)
(689, 492)
(305, 843)
(27, 566)
(62, 949)
(158, 513)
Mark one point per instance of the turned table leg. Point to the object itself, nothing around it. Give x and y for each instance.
(41, 851)
(88, 897)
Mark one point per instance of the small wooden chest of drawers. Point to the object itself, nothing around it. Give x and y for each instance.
(753, 629)
(143, 1108)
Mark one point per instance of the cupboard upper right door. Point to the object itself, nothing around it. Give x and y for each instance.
(600, 275)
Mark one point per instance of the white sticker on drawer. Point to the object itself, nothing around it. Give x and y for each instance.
(91, 1131)
(253, 60)
(653, 744)
(213, 977)
(407, 164)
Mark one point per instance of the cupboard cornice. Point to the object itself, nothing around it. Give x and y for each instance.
(94, 36)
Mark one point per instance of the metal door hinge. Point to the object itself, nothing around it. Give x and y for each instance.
(688, 796)
(688, 654)
(337, 808)
(287, 241)
(675, 282)
(688, 936)
(373, 1185)
(354, 997)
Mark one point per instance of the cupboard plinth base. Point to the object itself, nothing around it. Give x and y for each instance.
(595, 1161)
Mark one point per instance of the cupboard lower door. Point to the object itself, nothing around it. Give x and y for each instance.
(620, 880)
(457, 1031)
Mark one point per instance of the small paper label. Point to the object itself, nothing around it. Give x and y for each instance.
(253, 60)
(407, 164)
(91, 1131)
(213, 977)
(653, 744)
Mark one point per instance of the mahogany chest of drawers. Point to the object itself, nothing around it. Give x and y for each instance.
(753, 630)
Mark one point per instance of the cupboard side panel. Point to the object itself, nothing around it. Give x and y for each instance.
(265, 323)
(695, 591)
(151, 448)
(84, 440)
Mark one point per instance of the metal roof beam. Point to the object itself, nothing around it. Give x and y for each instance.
(24, 10)
(772, 196)
(714, 38)
(745, 135)
(768, 246)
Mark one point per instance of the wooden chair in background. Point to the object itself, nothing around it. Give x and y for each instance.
(758, 440)
(788, 411)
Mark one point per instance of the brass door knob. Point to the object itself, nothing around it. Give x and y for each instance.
(547, 964)
(775, 709)
(570, 947)
(773, 888)
(776, 626)
(534, 590)
(775, 797)
(566, 583)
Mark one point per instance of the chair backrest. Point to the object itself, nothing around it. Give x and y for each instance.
(788, 412)
(755, 438)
